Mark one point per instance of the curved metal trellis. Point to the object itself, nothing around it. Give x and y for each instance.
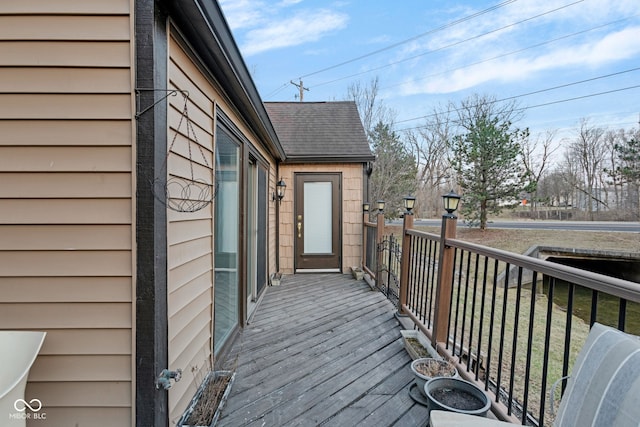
(184, 194)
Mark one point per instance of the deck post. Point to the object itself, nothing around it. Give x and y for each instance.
(379, 240)
(445, 280)
(365, 220)
(407, 224)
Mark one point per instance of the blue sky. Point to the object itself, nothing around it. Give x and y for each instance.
(428, 53)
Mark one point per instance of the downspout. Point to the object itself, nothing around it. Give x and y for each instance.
(277, 202)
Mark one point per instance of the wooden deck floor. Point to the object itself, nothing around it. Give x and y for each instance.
(322, 349)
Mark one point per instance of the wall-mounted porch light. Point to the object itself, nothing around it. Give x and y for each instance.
(451, 201)
(380, 205)
(281, 186)
(409, 204)
(366, 206)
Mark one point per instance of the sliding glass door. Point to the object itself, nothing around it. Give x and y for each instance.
(227, 213)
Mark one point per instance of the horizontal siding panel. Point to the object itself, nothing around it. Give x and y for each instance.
(81, 368)
(65, 54)
(64, 185)
(182, 296)
(65, 7)
(67, 315)
(203, 135)
(65, 80)
(62, 27)
(80, 417)
(201, 117)
(65, 289)
(69, 211)
(183, 319)
(192, 340)
(66, 159)
(65, 237)
(184, 74)
(184, 231)
(79, 394)
(32, 106)
(87, 341)
(203, 215)
(190, 271)
(182, 65)
(197, 97)
(182, 167)
(201, 151)
(182, 392)
(65, 263)
(87, 133)
(188, 251)
(197, 117)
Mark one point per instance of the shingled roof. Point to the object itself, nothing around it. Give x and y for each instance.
(320, 131)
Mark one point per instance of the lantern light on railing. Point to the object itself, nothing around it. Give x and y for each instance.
(380, 204)
(409, 204)
(451, 201)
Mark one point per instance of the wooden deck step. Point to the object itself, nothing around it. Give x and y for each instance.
(322, 349)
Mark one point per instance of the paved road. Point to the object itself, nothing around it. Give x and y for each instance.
(629, 227)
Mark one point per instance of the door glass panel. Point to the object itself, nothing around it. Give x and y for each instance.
(317, 218)
(252, 231)
(226, 238)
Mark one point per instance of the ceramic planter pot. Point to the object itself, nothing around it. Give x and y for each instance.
(456, 395)
(427, 368)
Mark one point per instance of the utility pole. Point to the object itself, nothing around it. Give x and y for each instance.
(301, 88)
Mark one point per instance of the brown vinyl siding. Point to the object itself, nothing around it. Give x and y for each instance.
(351, 212)
(66, 162)
(190, 235)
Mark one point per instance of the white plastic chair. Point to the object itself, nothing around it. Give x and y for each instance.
(603, 389)
(18, 351)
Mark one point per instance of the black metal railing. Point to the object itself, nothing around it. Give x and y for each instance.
(514, 324)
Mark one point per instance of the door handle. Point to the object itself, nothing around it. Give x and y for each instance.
(299, 226)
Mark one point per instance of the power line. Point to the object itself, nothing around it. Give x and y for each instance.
(447, 71)
(449, 45)
(536, 91)
(443, 27)
(546, 104)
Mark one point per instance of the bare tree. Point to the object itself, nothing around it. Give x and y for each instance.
(589, 151)
(430, 145)
(371, 108)
(536, 156)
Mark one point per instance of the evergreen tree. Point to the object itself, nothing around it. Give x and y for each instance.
(394, 171)
(627, 170)
(487, 160)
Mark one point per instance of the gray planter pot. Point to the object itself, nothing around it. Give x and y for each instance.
(456, 395)
(422, 379)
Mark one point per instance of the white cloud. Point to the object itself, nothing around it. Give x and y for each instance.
(305, 26)
(600, 51)
(242, 13)
(265, 26)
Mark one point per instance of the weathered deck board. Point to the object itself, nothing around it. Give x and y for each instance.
(322, 349)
